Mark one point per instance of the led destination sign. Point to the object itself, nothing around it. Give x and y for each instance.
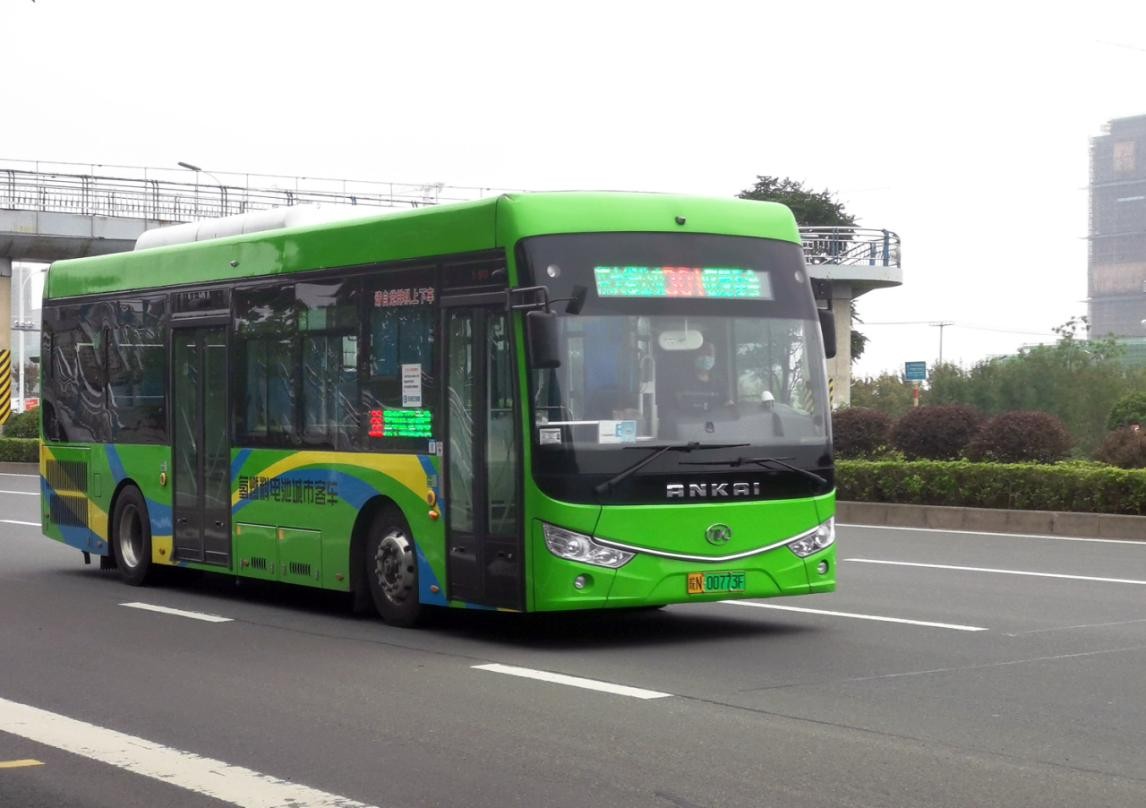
(683, 282)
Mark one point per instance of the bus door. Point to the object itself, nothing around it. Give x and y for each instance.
(482, 472)
(200, 450)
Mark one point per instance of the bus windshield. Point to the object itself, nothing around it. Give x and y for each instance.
(718, 345)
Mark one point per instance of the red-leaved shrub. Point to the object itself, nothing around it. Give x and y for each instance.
(938, 432)
(859, 433)
(1125, 448)
(1022, 437)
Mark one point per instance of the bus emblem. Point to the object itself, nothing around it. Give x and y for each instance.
(718, 534)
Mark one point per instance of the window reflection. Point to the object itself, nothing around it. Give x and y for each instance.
(627, 379)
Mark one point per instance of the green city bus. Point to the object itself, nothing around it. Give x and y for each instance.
(534, 402)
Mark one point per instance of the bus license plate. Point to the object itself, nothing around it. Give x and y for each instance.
(702, 583)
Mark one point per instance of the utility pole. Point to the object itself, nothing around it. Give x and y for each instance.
(941, 325)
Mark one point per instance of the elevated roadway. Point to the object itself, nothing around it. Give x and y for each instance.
(51, 211)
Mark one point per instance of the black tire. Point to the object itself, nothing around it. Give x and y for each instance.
(391, 570)
(131, 537)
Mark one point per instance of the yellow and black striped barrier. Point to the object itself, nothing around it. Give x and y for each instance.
(5, 385)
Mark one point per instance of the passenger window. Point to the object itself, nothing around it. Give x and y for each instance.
(400, 387)
(74, 392)
(137, 371)
(328, 326)
(265, 327)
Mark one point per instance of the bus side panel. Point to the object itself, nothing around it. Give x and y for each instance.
(149, 469)
(301, 506)
(67, 512)
(78, 485)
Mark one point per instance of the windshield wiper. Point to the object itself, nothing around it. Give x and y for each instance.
(759, 461)
(601, 488)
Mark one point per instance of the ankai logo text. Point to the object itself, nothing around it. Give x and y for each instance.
(711, 490)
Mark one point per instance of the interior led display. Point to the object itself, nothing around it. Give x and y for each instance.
(401, 424)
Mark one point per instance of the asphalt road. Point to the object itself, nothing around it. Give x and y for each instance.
(959, 683)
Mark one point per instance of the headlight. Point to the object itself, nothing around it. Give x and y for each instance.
(579, 547)
(816, 540)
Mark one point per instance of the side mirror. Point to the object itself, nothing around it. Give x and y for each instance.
(544, 342)
(828, 329)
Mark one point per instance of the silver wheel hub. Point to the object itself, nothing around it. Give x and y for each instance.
(394, 566)
(130, 537)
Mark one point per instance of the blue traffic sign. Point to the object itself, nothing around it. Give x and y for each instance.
(915, 371)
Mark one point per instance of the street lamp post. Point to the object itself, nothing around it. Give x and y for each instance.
(194, 169)
(222, 191)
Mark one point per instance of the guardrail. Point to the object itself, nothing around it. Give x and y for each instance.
(167, 195)
(850, 246)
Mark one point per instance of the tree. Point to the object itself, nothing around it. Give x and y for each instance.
(859, 341)
(1077, 380)
(1130, 409)
(887, 393)
(811, 209)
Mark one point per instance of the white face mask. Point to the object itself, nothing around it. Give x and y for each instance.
(705, 363)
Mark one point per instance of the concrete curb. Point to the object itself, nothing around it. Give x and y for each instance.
(20, 468)
(1045, 523)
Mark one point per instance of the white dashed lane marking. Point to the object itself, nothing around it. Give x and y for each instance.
(854, 616)
(202, 775)
(574, 681)
(151, 607)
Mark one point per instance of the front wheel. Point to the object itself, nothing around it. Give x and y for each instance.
(392, 570)
(131, 537)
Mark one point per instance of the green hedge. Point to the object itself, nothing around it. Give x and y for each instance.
(1082, 487)
(22, 425)
(19, 450)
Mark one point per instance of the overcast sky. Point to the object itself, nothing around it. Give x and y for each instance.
(965, 129)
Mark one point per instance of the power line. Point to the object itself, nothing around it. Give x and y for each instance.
(1008, 331)
(949, 323)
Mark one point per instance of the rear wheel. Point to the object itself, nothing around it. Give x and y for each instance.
(392, 570)
(131, 537)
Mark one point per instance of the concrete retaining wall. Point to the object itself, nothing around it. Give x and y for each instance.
(1047, 523)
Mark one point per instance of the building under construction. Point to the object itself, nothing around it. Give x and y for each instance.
(1117, 264)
